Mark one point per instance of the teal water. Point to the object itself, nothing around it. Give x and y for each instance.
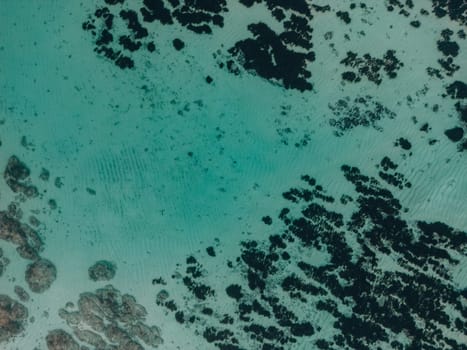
(180, 183)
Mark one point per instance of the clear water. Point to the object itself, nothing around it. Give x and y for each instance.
(153, 164)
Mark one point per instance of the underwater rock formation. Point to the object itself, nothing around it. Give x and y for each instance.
(22, 235)
(107, 319)
(13, 316)
(17, 177)
(4, 261)
(58, 339)
(40, 275)
(102, 270)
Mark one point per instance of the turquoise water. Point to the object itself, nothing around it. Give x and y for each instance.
(264, 175)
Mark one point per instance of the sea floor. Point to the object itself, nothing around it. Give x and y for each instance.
(233, 175)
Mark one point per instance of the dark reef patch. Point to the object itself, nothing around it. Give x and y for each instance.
(367, 304)
(403, 143)
(454, 134)
(450, 50)
(268, 55)
(457, 90)
(280, 57)
(455, 9)
(200, 16)
(178, 44)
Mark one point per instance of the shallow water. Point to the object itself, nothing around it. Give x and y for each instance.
(255, 176)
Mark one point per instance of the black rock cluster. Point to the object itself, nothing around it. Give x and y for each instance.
(17, 177)
(370, 67)
(276, 288)
(361, 111)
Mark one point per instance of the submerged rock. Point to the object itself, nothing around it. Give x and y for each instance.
(40, 275)
(21, 293)
(102, 270)
(16, 176)
(3, 262)
(116, 321)
(58, 339)
(13, 316)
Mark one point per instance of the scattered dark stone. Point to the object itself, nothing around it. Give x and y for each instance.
(455, 134)
(159, 280)
(425, 127)
(16, 175)
(124, 62)
(269, 55)
(199, 290)
(199, 16)
(91, 191)
(52, 204)
(128, 44)
(344, 16)
(102, 270)
(207, 311)
(362, 111)
(415, 24)
(40, 275)
(191, 260)
(302, 329)
(131, 17)
(234, 291)
(156, 10)
(448, 48)
(209, 79)
(457, 90)
(179, 317)
(350, 76)
(45, 175)
(324, 8)
(385, 303)
(151, 47)
(210, 251)
(404, 143)
(58, 182)
(370, 67)
(456, 10)
(114, 2)
(178, 44)
(267, 220)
